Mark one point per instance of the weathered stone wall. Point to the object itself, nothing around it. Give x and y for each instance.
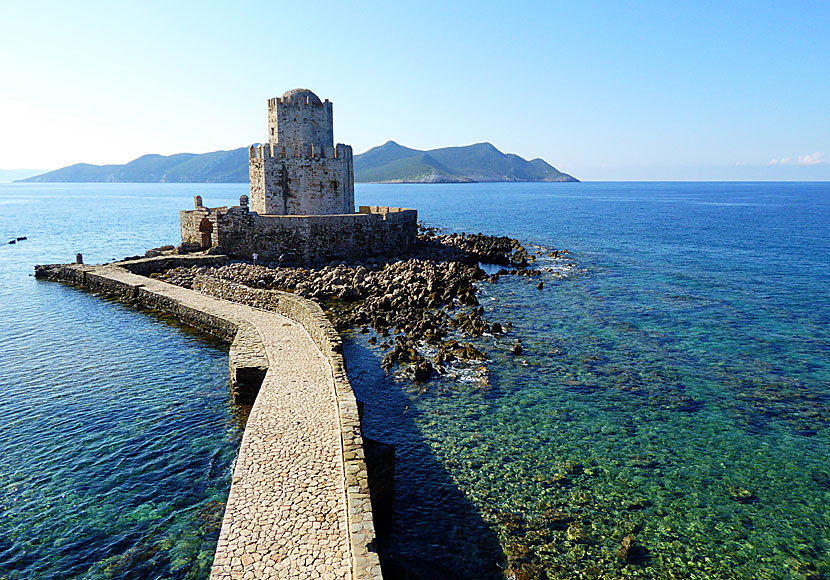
(116, 281)
(374, 231)
(198, 222)
(301, 179)
(147, 266)
(300, 120)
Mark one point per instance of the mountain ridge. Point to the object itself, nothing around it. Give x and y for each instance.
(394, 163)
(387, 163)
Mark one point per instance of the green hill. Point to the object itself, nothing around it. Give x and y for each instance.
(216, 167)
(393, 163)
(388, 163)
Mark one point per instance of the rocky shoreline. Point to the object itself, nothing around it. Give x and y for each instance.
(420, 307)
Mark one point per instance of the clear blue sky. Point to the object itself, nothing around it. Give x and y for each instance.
(602, 90)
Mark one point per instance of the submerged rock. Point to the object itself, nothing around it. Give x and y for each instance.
(626, 547)
(742, 495)
(517, 347)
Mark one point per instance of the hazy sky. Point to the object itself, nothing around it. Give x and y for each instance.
(602, 90)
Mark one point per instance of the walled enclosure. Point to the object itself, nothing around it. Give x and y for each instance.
(301, 197)
(238, 232)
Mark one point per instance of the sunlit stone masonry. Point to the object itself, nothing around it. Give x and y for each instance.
(299, 505)
(301, 204)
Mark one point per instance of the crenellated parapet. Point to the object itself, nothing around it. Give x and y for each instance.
(304, 100)
(300, 171)
(300, 117)
(305, 150)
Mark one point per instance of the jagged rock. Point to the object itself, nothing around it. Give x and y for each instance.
(419, 297)
(517, 347)
(423, 371)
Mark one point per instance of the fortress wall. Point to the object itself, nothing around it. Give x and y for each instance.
(118, 282)
(147, 266)
(321, 238)
(256, 176)
(390, 214)
(306, 239)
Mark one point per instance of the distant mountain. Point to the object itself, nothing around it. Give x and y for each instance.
(217, 167)
(393, 163)
(8, 175)
(388, 163)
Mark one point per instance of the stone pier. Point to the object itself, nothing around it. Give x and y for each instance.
(299, 501)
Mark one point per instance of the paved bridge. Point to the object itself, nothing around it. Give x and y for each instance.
(299, 500)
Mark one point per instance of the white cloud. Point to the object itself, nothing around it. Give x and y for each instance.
(816, 158)
(812, 159)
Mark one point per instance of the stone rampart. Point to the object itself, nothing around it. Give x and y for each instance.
(303, 239)
(147, 266)
(116, 281)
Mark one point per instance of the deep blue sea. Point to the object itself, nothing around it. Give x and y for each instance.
(675, 387)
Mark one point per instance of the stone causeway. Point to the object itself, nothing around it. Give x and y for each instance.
(299, 504)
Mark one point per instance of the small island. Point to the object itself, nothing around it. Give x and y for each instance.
(387, 163)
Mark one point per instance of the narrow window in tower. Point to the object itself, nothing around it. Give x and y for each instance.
(334, 185)
(272, 131)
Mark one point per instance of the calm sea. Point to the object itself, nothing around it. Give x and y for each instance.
(675, 388)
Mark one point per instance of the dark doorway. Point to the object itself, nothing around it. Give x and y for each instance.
(206, 228)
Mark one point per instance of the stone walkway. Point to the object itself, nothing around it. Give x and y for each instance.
(286, 513)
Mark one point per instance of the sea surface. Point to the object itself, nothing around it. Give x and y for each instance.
(674, 388)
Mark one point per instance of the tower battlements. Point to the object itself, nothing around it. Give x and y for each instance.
(299, 116)
(300, 171)
(297, 101)
(301, 203)
(299, 150)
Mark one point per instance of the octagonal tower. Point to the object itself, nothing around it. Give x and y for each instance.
(300, 171)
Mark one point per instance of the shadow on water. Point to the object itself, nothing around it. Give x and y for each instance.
(240, 412)
(435, 531)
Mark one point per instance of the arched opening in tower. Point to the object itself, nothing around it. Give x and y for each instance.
(206, 229)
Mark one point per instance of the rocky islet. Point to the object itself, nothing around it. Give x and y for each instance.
(421, 308)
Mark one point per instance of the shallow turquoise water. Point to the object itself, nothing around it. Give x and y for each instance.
(688, 362)
(677, 389)
(117, 428)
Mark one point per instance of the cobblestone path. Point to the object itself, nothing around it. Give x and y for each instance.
(286, 513)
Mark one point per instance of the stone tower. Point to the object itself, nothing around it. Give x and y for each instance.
(300, 171)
